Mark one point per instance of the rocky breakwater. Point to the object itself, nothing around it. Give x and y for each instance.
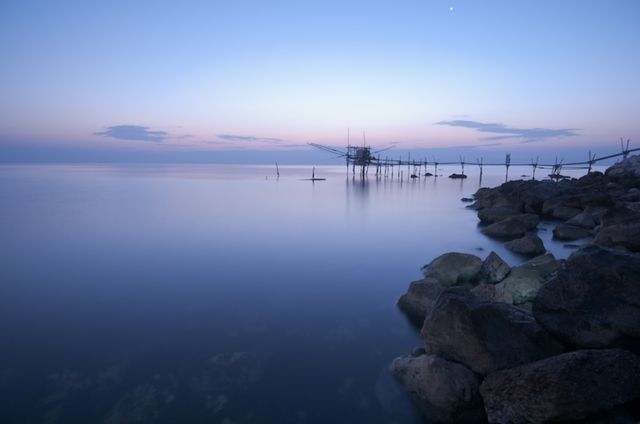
(545, 341)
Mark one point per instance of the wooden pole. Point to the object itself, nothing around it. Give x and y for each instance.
(507, 163)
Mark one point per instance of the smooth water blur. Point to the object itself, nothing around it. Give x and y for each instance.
(202, 293)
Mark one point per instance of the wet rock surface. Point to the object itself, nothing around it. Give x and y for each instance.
(453, 268)
(493, 270)
(594, 300)
(530, 245)
(417, 302)
(570, 386)
(444, 391)
(483, 335)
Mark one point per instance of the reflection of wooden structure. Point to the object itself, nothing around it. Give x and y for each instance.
(364, 157)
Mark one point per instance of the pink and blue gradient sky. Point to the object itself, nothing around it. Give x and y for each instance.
(202, 79)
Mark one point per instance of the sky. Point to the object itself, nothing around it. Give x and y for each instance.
(252, 81)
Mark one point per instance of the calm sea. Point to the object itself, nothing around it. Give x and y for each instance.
(217, 294)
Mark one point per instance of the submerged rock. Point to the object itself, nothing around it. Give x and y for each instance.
(570, 386)
(419, 298)
(453, 268)
(483, 335)
(530, 245)
(594, 300)
(444, 391)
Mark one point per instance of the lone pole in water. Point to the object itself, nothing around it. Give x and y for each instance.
(507, 163)
(277, 170)
(591, 161)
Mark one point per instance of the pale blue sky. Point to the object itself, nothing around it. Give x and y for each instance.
(163, 77)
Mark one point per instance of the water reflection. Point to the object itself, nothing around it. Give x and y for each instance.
(210, 293)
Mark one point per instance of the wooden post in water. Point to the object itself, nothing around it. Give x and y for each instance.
(534, 165)
(277, 171)
(481, 165)
(591, 161)
(507, 163)
(625, 150)
(462, 163)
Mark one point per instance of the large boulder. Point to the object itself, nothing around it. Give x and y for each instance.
(620, 227)
(444, 391)
(570, 232)
(453, 268)
(496, 214)
(530, 245)
(570, 386)
(512, 227)
(583, 219)
(483, 335)
(492, 292)
(565, 212)
(627, 167)
(419, 299)
(494, 269)
(519, 288)
(522, 284)
(593, 300)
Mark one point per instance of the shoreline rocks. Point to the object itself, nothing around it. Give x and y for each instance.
(575, 356)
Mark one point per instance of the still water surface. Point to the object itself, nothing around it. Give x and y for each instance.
(217, 294)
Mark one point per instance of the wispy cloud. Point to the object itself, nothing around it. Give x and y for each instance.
(133, 132)
(250, 138)
(527, 135)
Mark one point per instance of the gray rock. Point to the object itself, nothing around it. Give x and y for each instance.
(419, 298)
(594, 299)
(570, 386)
(583, 219)
(530, 245)
(445, 392)
(496, 214)
(620, 227)
(492, 292)
(483, 335)
(544, 264)
(565, 212)
(512, 227)
(561, 201)
(627, 167)
(521, 285)
(570, 232)
(453, 268)
(493, 270)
